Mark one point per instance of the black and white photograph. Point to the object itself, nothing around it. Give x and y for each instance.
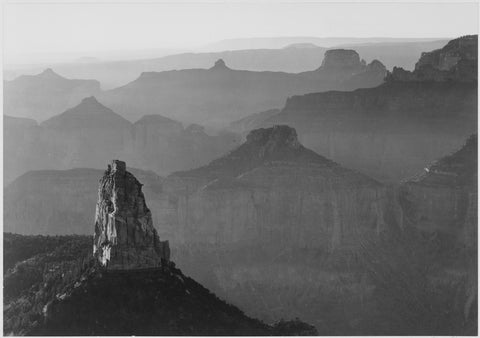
(240, 168)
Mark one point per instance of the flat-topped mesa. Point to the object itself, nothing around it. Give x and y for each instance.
(342, 59)
(124, 234)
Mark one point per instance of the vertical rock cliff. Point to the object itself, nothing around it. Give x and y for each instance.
(124, 234)
(443, 200)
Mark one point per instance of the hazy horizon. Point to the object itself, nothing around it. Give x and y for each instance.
(52, 32)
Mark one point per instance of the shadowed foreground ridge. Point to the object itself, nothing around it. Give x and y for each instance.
(128, 287)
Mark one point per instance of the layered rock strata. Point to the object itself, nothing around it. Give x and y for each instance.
(125, 237)
(272, 191)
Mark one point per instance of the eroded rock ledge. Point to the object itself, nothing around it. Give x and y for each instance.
(124, 234)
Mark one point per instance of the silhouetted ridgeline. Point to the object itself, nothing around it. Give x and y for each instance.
(85, 135)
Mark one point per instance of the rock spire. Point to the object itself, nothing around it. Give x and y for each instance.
(124, 234)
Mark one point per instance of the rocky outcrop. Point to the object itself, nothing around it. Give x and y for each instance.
(125, 237)
(443, 200)
(456, 61)
(37, 201)
(272, 191)
(341, 59)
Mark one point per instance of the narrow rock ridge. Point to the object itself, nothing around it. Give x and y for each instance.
(124, 234)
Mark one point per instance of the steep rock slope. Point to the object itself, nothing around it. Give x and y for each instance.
(41, 96)
(272, 190)
(125, 237)
(86, 134)
(390, 131)
(443, 200)
(220, 94)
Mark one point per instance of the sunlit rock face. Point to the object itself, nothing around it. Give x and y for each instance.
(124, 234)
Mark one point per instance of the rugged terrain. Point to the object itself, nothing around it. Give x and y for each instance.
(291, 56)
(271, 189)
(391, 131)
(43, 95)
(220, 94)
(128, 286)
(86, 134)
(443, 200)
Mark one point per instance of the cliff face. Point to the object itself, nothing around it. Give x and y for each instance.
(456, 61)
(443, 200)
(390, 131)
(125, 237)
(272, 190)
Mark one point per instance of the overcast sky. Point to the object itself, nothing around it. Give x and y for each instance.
(51, 29)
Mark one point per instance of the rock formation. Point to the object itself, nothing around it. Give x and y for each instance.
(341, 59)
(443, 200)
(456, 61)
(124, 234)
(272, 191)
(388, 132)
